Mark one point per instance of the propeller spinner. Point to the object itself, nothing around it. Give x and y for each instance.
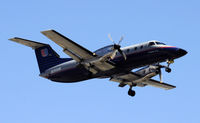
(116, 47)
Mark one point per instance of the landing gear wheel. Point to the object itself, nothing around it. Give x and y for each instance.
(131, 92)
(168, 70)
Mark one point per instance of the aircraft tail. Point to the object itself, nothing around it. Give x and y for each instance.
(46, 56)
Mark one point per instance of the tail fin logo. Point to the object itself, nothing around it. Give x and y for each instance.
(44, 52)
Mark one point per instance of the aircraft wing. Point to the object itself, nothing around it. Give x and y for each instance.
(71, 48)
(128, 79)
(78, 53)
(158, 84)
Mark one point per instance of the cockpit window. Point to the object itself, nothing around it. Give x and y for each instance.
(151, 43)
(160, 43)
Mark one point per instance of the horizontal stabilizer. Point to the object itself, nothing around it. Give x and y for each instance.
(32, 44)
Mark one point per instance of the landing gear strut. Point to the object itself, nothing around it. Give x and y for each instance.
(131, 92)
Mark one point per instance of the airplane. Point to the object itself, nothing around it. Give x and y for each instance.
(111, 61)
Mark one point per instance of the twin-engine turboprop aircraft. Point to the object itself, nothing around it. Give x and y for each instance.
(111, 61)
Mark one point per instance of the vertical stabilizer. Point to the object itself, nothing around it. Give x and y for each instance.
(46, 56)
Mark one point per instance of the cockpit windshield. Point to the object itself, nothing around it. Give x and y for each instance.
(155, 43)
(151, 43)
(160, 43)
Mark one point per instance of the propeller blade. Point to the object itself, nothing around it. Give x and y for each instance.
(122, 53)
(120, 40)
(116, 47)
(109, 36)
(113, 54)
(160, 75)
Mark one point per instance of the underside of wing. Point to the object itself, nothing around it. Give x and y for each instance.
(158, 84)
(132, 78)
(127, 79)
(71, 48)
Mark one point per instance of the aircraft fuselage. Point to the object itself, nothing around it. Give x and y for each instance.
(137, 56)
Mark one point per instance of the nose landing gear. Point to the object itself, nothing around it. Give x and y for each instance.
(167, 69)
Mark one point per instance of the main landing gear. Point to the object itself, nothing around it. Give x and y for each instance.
(131, 92)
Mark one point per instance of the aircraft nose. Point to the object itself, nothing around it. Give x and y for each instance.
(181, 52)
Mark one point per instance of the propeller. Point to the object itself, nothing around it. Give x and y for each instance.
(160, 75)
(160, 71)
(116, 47)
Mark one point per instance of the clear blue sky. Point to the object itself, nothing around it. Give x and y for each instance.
(27, 98)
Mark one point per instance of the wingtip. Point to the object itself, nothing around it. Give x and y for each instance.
(12, 39)
(172, 87)
(15, 38)
(47, 31)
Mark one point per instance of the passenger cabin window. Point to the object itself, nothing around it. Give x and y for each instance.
(135, 48)
(128, 50)
(141, 47)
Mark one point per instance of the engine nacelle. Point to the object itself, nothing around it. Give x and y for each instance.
(148, 70)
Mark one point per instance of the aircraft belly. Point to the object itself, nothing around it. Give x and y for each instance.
(72, 75)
